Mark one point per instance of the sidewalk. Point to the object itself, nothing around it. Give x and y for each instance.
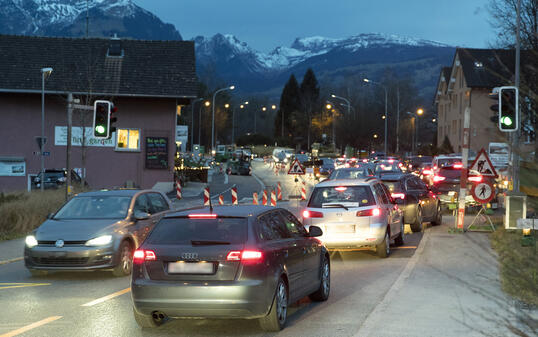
(450, 287)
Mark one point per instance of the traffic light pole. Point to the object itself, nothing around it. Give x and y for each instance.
(515, 139)
(68, 154)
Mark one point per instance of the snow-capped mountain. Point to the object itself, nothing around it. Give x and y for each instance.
(68, 18)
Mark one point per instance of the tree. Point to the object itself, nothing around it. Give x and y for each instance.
(290, 104)
(446, 147)
(309, 100)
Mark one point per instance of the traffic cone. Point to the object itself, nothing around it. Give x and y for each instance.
(279, 191)
(206, 196)
(234, 196)
(264, 198)
(221, 200)
(255, 198)
(273, 198)
(178, 190)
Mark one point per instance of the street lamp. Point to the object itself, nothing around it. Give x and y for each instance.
(192, 122)
(45, 73)
(242, 106)
(346, 100)
(206, 104)
(386, 105)
(232, 87)
(414, 138)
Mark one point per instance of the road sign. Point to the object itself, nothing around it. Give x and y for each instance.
(483, 192)
(483, 165)
(46, 153)
(39, 143)
(296, 168)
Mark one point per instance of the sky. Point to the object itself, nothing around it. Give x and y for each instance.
(266, 24)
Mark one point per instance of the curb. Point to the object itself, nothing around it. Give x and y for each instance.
(2, 262)
(378, 314)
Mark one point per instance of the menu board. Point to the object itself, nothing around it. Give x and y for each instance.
(156, 152)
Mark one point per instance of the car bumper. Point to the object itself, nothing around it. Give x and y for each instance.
(360, 238)
(198, 299)
(69, 258)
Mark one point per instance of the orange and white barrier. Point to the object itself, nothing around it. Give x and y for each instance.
(234, 196)
(221, 200)
(264, 198)
(178, 190)
(255, 198)
(279, 191)
(303, 191)
(206, 196)
(273, 198)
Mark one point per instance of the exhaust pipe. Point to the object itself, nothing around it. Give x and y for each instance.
(158, 316)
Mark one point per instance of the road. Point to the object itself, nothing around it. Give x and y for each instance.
(98, 304)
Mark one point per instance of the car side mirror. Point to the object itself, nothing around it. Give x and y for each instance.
(139, 215)
(314, 231)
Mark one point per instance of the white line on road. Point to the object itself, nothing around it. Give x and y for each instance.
(31, 326)
(11, 260)
(106, 298)
(368, 327)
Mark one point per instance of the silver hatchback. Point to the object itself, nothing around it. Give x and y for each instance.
(355, 213)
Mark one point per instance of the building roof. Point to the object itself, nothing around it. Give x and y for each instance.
(487, 68)
(139, 68)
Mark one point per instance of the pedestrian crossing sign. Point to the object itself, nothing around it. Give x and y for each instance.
(296, 168)
(483, 165)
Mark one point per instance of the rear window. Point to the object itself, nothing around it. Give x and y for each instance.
(348, 174)
(450, 172)
(448, 162)
(350, 196)
(393, 186)
(180, 231)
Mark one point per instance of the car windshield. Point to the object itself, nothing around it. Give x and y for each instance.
(348, 174)
(387, 167)
(95, 207)
(351, 196)
(185, 231)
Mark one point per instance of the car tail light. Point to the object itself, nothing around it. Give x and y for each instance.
(427, 172)
(369, 212)
(398, 196)
(140, 256)
(437, 179)
(312, 214)
(203, 216)
(458, 166)
(247, 256)
(475, 179)
(365, 160)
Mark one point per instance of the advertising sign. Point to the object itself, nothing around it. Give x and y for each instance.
(60, 137)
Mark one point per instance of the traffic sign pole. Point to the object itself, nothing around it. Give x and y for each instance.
(465, 159)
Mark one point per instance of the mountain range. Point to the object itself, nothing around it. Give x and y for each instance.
(224, 58)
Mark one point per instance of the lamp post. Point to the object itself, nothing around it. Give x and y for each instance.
(420, 112)
(386, 113)
(45, 72)
(414, 138)
(241, 106)
(206, 104)
(346, 100)
(213, 118)
(192, 122)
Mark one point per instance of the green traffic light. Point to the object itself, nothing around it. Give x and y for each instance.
(506, 121)
(100, 129)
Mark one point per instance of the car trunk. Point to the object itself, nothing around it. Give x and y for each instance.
(341, 221)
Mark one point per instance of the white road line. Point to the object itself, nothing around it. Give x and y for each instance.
(368, 327)
(106, 298)
(11, 260)
(31, 326)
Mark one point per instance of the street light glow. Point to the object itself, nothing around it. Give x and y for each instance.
(226, 105)
(241, 106)
(366, 80)
(273, 107)
(328, 106)
(375, 135)
(207, 103)
(333, 95)
(434, 120)
(420, 111)
(232, 87)
(264, 109)
(383, 117)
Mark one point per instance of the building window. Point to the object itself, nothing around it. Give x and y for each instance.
(128, 140)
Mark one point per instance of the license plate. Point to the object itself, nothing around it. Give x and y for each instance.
(191, 267)
(341, 229)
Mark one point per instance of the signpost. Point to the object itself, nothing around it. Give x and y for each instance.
(483, 192)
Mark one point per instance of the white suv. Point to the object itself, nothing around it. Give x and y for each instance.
(355, 213)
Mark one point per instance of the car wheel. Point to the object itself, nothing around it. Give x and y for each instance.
(145, 321)
(276, 319)
(37, 272)
(399, 241)
(438, 216)
(417, 225)
(322, 294)
(125, 264)
(383, 249)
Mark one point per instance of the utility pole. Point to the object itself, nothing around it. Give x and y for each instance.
(87, 18)
(397, 119)
(68, 154)
(515, 139)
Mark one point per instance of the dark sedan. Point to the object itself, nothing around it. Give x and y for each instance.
(413, 196)
(229, 262)
(95, 230)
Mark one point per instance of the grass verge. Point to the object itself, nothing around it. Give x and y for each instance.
(22, 212)
(518, 265)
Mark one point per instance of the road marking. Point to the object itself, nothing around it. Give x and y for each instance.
(106, 298)
(11, 260)
(21, 285)
(31, 326)
(405, 247)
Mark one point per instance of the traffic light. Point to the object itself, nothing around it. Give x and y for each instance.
(508, 109)
(495, 107)
(113, 118)
(101, 119)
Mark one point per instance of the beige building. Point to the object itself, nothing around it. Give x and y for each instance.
(467, 83)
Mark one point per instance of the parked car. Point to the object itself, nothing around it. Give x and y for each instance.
(351, 173)
(228, 262)
(95, 230)
(55, 178)
(418, 203)
(241, 167)
(355, 213)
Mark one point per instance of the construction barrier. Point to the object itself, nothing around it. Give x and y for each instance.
(206, 196)
(255, 198)
(303, 191)
(279, 191)
(234, 196)
(264, 198)
(273, 198)
(178, 190)
(221, 200)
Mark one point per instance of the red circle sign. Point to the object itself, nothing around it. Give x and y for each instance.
(483, 192)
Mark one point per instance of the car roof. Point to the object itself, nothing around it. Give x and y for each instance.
(238, 211)
(118, 192)
(393, 176)
(347, 182)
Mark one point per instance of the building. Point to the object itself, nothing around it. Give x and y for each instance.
(148, 81)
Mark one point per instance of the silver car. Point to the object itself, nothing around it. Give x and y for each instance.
(95, 230)
(355, 213)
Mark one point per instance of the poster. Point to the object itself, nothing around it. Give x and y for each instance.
(60, 137)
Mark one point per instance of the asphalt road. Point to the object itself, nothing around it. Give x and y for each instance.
(98, 304)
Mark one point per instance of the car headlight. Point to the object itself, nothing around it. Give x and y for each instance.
(100, 241)
(31, 241)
